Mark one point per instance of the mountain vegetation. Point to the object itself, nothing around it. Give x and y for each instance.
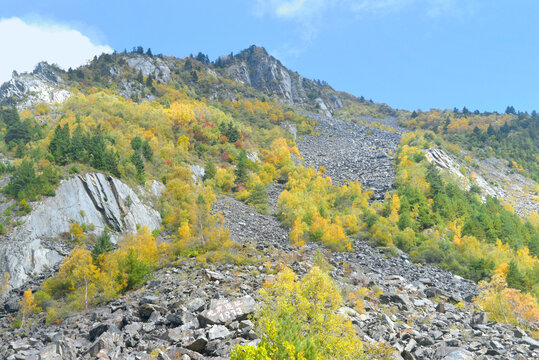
(140, 125)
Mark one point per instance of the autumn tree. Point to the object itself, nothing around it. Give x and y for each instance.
(297, 320)
(27, 306)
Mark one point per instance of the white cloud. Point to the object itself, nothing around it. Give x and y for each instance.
(24, 44)
(309, 16)
(304, 10)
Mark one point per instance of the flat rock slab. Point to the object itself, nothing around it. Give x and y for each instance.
(224, 310)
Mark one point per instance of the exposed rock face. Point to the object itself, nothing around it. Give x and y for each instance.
(92, 198)
(493, 177)
(43, 85)
(150, 66)
(255, 67)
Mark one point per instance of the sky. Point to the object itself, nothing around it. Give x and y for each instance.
(410, 54)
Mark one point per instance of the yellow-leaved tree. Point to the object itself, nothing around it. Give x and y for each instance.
(506, 304)
(28, 304)
(297, 320)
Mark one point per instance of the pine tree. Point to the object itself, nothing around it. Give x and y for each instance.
(136, 159)
(77, 144)
(209, 171)
(136, 143)
(259, 199)
(149, 81)
(103, 244)
(515, 279)
(147, 151)
(60, 144)
(241, 168)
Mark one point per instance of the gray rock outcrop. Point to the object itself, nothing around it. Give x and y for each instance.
(42, 85)
(92, 198)
(256, 68)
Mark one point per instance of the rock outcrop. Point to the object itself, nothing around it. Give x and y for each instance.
(256, 68)
(43, 85)
(92, 198)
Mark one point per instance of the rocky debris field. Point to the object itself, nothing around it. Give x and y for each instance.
(187, 311)
(184, 312)
(389, 121)
(351, 151)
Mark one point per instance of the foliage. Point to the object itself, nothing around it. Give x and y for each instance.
(25, 184)
(506, 304)
(84, 280)
(103, 244)
(317, 210)
(297, 320)
(465, 235)
(27, 306)
(509, 136)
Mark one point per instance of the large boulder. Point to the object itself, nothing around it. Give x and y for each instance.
(92, 198)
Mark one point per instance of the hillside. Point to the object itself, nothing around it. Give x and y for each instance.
(156, 207)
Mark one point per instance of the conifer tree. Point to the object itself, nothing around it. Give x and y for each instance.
(241, 168)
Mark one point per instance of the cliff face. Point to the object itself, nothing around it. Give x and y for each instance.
(43, 85)
(255, 67)
(92, 198)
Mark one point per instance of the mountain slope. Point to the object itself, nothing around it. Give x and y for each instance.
(253, 170)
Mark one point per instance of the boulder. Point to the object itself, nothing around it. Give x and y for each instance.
(223, 310)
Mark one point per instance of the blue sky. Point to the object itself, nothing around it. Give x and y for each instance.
(407, 53)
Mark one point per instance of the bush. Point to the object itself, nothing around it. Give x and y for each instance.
(297, 320)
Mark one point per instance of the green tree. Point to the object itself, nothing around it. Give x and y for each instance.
(147, 151)
(514, 278)
(60, 144)
(77, 144)
(136, 143)
(241, 170)
(209, 171)
(103, 244)
(22, 180)
(259, 199)
(136, 159)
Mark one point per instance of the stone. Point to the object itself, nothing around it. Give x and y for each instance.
(214, 276)
(425, 341)
(440, 307)
(221, 311)
(410, 346)
(174, 335)
(195, 305)
(190, 340)
(399, 299)
(97, 330)
(519, 333)
(12, 305)
(218, 332)
(532, 343)
(146, 310)
(480, 318)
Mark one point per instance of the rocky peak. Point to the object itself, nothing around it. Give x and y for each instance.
(255, 67)
(43, 85)
(46, 72)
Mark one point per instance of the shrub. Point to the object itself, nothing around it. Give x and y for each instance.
(297, 320)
